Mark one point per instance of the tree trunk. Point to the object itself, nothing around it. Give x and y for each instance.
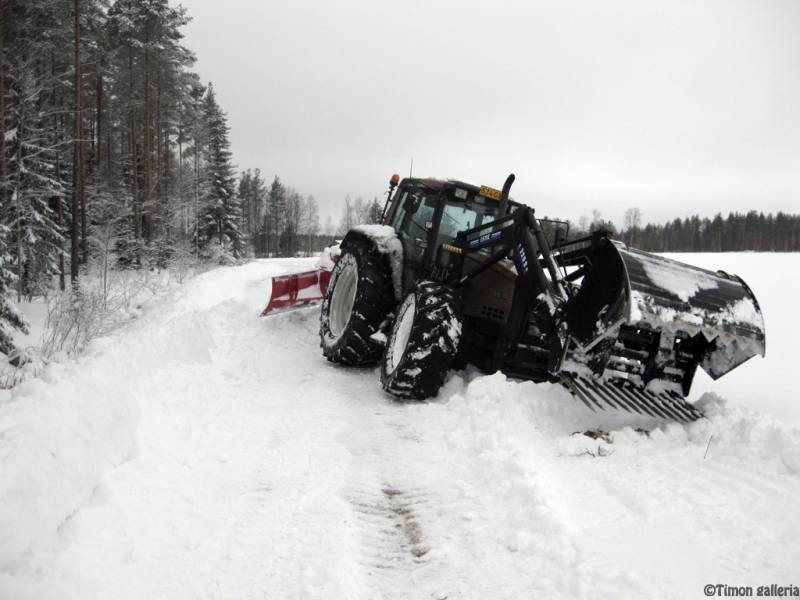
(158, 184)
(77, 182)
(2, 106)
(57, 129)
(137, 216)
(148, 187)
(184, 215)
(98, 93)
(196, 186)
(15, 197)
(165, 181)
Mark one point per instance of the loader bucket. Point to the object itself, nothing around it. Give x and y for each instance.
(676, 316)
(297, 289)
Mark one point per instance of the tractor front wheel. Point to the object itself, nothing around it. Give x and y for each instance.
(358, 299)
(423, 343)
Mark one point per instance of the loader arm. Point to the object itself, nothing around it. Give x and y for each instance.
(520, 237)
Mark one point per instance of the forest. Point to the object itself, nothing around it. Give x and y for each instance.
(113, 152)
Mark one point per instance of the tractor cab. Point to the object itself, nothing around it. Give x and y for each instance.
(427, 213)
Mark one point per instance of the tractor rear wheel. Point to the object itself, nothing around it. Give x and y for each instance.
(358, 299)
(423, 343)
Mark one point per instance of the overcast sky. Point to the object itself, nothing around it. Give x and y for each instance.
(673, 106)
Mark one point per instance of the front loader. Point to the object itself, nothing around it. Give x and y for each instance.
(459, 273)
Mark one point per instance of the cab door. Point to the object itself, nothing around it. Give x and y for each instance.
(414, 221)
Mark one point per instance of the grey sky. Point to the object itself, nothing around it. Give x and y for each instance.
(671, 106)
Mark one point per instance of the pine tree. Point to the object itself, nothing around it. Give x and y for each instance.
(375, 212)
(32, 185)
(222, 215)
(9, 316)
(276, 216)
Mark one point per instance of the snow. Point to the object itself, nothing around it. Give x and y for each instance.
(387, 242)
(676, 279)
(767, 384)
(204, 452)
(328, 257)
(744, 311)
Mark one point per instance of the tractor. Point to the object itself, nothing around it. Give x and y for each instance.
(461, 274)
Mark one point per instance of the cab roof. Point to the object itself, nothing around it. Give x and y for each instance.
(436, 185)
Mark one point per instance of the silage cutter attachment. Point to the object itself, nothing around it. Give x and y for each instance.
(640, 324)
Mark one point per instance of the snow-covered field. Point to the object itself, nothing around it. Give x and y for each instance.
(767, 384)
(202, 452)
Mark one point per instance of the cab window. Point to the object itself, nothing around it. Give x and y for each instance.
(400, 211)
(462, 215)
(414, 225)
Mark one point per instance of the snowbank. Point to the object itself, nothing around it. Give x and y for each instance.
(61, 431)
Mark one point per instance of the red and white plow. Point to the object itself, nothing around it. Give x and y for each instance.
(296, 290)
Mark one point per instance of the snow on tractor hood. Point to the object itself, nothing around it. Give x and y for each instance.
(385, 241)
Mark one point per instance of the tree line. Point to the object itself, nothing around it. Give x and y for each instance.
(738, 232)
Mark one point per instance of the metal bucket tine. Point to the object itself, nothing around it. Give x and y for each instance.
(650, 401)
(693, 412)
(623, 399)
(594, 389)
(640, 399)
(588, 391)
(620, 399)
(613, 399)
(673, 408)
(623, 395)
(575, 390)
(628, 403)
(632, 400)
(690, 411)
(677, 405)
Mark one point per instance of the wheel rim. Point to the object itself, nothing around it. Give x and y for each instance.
(402, 331)
(343, 298)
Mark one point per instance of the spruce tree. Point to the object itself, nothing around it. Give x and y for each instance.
(9, 317)
(276, 216)
(222, 215)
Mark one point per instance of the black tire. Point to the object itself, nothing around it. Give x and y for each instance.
(345, 335)
(427, 343)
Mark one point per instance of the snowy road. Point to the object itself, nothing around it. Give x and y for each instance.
(233, 461)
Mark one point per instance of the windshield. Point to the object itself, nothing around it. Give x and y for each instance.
(465, 214)
(462, 210)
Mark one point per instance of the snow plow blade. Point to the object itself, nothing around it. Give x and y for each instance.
(297, 289)
(642, 323)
